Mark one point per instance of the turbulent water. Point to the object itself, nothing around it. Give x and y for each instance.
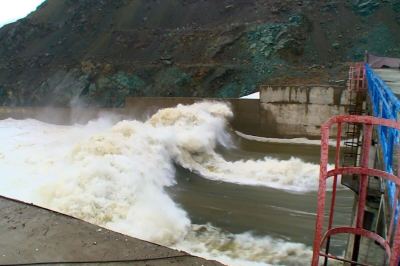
(116, 176)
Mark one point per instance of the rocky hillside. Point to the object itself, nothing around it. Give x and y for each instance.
(97, 52)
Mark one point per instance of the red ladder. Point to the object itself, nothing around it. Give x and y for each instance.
(357, 81)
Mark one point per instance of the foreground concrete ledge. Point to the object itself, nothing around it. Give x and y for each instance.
(35, 235)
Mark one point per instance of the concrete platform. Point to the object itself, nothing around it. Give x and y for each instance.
(31, 234)
(391, 77)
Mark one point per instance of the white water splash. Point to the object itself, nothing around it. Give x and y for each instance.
(115, 176)
(243, 249)
(304, 141)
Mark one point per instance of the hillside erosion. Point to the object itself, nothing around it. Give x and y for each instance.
(96, 53)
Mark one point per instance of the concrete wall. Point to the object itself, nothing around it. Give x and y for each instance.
(246, 111)
(282, 111)
(299, 111)
(64, 116)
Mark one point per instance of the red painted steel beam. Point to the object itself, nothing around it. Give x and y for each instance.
(321, 194)
(361, 232)
(344, 260)
(362, 120)
(339, 136)
(364, 171)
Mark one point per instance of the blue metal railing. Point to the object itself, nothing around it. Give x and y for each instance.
(385, 105)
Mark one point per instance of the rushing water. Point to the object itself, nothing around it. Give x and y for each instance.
(181, 179)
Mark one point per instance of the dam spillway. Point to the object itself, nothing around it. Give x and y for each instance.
(218, 192)
(181, 179)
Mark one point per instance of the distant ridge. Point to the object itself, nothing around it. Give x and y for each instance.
(97, 52)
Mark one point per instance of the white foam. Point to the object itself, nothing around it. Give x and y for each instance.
(288, 141)
(115, 176)
(196, 132)
(243, 249)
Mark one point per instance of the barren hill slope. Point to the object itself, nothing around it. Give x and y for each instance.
(97, 52)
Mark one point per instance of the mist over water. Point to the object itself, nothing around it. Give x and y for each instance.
(115, 176)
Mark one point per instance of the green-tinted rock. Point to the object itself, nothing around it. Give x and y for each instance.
(336, 45)
(3, 92)
(100, 52)
(395, 5)
(379, 41)
(365, 7)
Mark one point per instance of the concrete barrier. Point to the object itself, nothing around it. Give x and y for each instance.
(34, 235)
(281, 112)
(299, 111)
(246, 111)
(65, 116)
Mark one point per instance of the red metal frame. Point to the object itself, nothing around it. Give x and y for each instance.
(392, 250)
(357, 81)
